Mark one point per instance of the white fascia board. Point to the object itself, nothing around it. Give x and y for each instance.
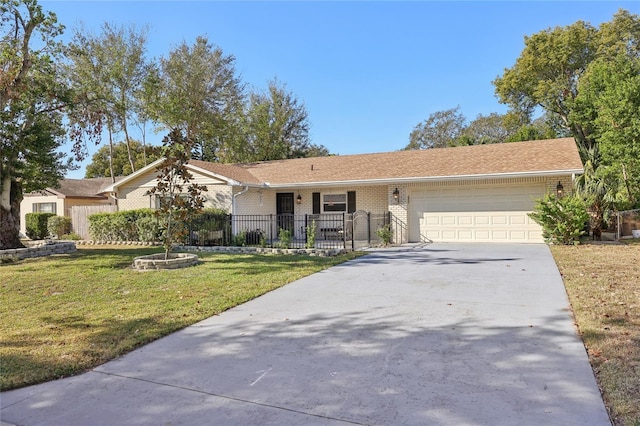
(428, 179)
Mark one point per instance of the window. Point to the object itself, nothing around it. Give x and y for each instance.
(334, 202)
(44, 208)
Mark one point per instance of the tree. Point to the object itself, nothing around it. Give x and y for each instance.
(486, 129)
(547, 73)
(179, 197)
(115, 159)
(587, 78)
(110, 69)
(31, 98)
(440, 130)
(277, 127)
(597, 189)
(197, 91)
(610, 98)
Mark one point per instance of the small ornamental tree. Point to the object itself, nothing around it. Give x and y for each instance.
(178, 197)
(562, 218)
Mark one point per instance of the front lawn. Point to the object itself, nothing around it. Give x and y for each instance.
(63, 315)
(603, 284)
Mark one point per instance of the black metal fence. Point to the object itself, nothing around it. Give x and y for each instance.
(332, 230)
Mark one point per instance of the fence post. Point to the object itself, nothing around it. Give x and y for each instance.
(306, 226)
(271, 228)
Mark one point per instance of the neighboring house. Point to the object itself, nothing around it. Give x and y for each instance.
(471, 193)
(69, 193)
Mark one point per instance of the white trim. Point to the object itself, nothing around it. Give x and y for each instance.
(346, 202)
(387, 181)
(132, 176)
(113, 187)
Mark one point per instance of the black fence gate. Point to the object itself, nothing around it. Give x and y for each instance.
(340, 230)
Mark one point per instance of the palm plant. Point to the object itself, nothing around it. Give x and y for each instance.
(597, 188)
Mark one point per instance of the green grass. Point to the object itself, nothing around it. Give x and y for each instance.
(63, 315)
(603, 285)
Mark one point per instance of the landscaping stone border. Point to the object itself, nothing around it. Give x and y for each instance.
(263, 250)
(157, 261)
(228, 249)
(43, 249)
(116, 243)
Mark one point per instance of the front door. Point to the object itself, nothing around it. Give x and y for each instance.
(284, 210)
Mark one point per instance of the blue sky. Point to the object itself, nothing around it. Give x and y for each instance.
(367, 72)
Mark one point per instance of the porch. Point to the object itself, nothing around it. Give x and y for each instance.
(340, 230)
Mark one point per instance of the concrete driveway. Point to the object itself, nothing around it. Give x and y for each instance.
(446, 334)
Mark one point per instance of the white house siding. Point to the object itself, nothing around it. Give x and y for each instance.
(132, 196)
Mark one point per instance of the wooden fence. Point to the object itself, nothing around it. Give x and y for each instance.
(80, 217)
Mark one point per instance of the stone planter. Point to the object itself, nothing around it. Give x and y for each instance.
(157, 261)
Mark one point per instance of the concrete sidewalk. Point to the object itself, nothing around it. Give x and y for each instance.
(448, 334)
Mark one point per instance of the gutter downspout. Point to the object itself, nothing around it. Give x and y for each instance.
(233, 208)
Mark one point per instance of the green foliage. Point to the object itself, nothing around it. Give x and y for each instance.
(110, 69)
(148, 229)
(284, 239)
(128, 225)
(559, 63)
(71, 236)
(385, 233)
(32, 97)
(196, 89)
(609, 92)
(100, 162)
(180, 198)
(240, 239)
(311, 235)
(562, 218)
(58, 226)
(277, 127)
(440, 130)
(36, 225)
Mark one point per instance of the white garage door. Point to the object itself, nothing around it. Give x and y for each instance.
(475, 213)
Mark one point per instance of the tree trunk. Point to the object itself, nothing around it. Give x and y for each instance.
(126, 138)
(113, 178)
(10, 215)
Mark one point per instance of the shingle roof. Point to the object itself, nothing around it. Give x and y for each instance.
(84, 188)
(542, 156)
(232, 171)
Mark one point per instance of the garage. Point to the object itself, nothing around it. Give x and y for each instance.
(468, 213)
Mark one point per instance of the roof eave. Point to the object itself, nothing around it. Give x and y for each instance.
(387, 181)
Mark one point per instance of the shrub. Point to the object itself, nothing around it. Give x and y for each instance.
(284, 239)
(129, 225)
(147, 229)
(36, 225)
(240, 239)
(71, 236)
(562, 218)
(311, 235)
(58, 226)
(385, 233)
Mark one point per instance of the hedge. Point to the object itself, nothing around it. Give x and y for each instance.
(36, 225)
(59, 226)
(129, 225)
